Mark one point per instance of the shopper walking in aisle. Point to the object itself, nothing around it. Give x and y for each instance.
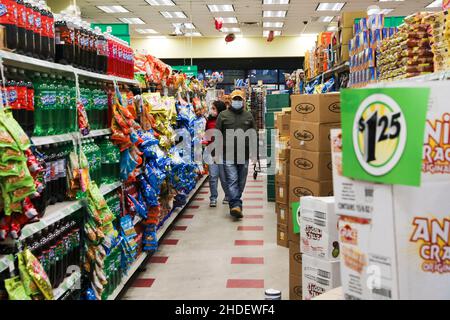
(239, 136)
(216, 170)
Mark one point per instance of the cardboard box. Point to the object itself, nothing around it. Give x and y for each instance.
(300, 187)
(282, 236)
(281, 192)
(311, 136)
(345, 34)
(345, 53)
(311, 165)
(319, 228)
(295, 259)
(282, 122)
(347, 19)
(282, 148)
(295, 287)
(319, 276)
(323, 108)
(282, 211)
(282, 170)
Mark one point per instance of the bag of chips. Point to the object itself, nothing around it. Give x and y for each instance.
(38, 274)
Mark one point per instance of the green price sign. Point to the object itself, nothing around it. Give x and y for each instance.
(383, 131)
(190, 71)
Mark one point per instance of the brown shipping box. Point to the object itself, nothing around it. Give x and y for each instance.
(282, 211)
(311, 165)
(281, 192)
(300, 187)
(282, 236)
(311, 136)
(347, 19)
(282, 170)
(295, 259)
(295, 287)
(323, 108)
(345, 35)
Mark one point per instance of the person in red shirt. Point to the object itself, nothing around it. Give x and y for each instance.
(216, 171)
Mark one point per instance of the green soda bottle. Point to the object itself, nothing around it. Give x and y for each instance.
(59, 125)
(72, 105)
(65, 103)
(45, 100)
(52, 105)
(37, 81)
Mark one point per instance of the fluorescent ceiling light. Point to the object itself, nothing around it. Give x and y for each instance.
(229, 20)
(132, 20)
(113, 9)
(326, 19)
(160, 2)
(435, 4)
(386, 11)
(229, 30)
(273, 24)
(275, 33)
(327, 6)
(220, 7)
(275, 1)
(193, 34)
(146, 31)
(173, 14)
(274, 14)
(187, 25)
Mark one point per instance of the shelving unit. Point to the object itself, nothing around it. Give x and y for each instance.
(68, 284)
(345, 67)
(40, 141)
(6, 261)
(160, 233)
(18, 60)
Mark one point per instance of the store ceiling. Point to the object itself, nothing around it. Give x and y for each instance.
(244, 10)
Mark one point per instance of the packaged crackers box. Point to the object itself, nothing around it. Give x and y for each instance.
(395, 238)
(319, 276)
(319, 228)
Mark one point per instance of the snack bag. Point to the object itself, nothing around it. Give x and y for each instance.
(15, 130)
(31, 289)
(15, 289)
(38, 274)
(83, 122)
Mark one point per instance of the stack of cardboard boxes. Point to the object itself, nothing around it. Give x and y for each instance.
(319, 246)
(346, 31)
(312, 117)
(282, 122)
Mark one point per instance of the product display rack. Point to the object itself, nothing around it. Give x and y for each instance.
(40, 141)
(160, 233)
(68, 285)
(21, 61)
(345, 67)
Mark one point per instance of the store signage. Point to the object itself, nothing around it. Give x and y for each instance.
(383, 132)
(190, 71)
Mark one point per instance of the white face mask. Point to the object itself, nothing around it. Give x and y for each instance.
(236, 104)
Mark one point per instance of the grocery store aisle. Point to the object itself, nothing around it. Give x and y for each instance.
(207, 255)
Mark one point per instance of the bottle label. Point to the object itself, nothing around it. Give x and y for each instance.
(37, 23)
(22, 97)
(47, 173)
(30, 15)
(62, 168)
(13, 98)
(22, 19)
(54, 170)
(30, 99)
(6, 15)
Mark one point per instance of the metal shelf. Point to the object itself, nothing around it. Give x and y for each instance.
(68, 284)
(40, 141)
(21, 61)
(6, 262)
(340, 68)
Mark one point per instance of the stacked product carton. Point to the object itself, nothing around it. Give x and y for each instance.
(319, 246)
(394, 238)
(346, 32)
(282, 119)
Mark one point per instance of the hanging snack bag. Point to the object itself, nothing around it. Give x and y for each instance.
(38, 274)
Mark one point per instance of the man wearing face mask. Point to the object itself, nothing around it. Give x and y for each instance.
(238, 128)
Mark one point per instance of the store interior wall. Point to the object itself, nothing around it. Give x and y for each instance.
(245, 47)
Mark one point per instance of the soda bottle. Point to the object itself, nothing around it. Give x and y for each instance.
(38, 105)
(59, 112)
(51, 33)
(64, 48)
(102, 51)
(65, 106)
(62, 171)
(37, 29)
(72, 106)
(78, 44)
(29, 103)
(21, 27)
(45, 100)
(18, 98)
(45, 44)
(29, 28)
(52, 105)
(53, 164)
(9, 19)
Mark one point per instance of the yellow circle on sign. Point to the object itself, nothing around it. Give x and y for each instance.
(385, 149)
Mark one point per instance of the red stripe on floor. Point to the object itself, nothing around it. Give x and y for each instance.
(253, 216)
(170, 242)
(179, 228)
(253, 199)
(249, 242)
(193, 207)
(255, 181)
(253, 207)
(203, 192)
(199, 199)
(253, 192)
(187, 216)
(245, 283)
(247, 260)
(250, 228)
(254, 186)
(143, 283)
(157, 259)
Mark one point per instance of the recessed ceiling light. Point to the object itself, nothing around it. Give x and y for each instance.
(230, 30)
(327, 6)
(113, 9)
(326, 19)
(188, 25)
(132, 20)
(229, 20)
(435, 4)
(193, 34)
(144, 31)
(274, 14)
(160, 2)
(275, 33)
(220, 7)
(275, 1)
(173, 14)
(385, 11)
(273, 24)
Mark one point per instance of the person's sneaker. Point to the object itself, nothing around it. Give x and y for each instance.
(225, 201)
(213, 203)
(236, 212)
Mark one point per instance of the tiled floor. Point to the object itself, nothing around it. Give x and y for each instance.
(207, 255)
